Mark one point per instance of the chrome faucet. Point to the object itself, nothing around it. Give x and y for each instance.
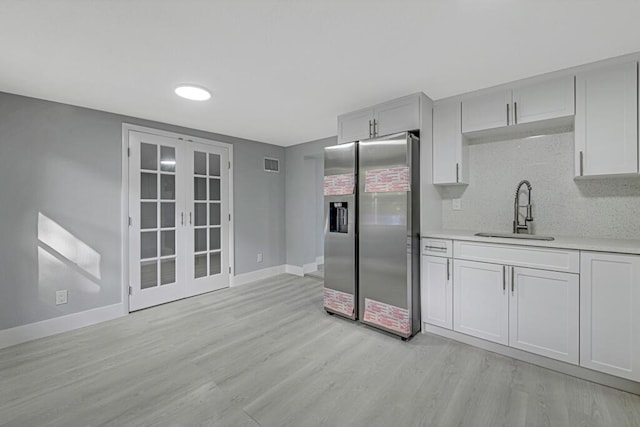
(525, 228)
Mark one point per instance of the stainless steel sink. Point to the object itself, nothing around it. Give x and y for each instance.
(515, 236)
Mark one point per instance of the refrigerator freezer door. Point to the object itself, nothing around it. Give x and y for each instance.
(340, 291)
(387, 227)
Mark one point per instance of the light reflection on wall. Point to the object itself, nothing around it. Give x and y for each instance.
(64, 261)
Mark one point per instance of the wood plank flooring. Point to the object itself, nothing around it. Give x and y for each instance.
(266, 354)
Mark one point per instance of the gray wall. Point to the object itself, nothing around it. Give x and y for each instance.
(318, 186)
(304, 215)
(65, 163)
(561, 205)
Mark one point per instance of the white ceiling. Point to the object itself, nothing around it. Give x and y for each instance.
(282, 70)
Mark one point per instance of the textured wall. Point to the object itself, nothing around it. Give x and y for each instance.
(561, 205)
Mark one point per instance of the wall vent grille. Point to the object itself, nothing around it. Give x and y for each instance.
(271, 165)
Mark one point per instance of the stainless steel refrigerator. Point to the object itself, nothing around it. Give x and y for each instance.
(385, 244)
(340, 248)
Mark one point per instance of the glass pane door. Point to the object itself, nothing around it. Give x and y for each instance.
(206, 208)
(179, 219)
(154, 207)
(210, 210)
(157, 215)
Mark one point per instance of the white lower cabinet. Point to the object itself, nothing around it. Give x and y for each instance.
(610, 314)
(529, 309)
(480, 300)
(437, 291)
(544, 313)
(583, 308)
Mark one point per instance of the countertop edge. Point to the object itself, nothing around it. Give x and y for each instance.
(618, 246)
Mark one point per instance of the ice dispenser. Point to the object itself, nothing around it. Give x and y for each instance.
(338, 217)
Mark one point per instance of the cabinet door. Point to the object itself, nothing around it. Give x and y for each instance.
(543, 313)
(610, 314)
(448, 166)
(546, 100)
(355, 126)
(487, 111)
(480, 300)
(436, 293)
(606, 134)
(399, 115)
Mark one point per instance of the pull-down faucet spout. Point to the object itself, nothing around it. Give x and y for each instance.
(526, 227)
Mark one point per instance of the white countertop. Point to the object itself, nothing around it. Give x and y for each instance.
(623, 246)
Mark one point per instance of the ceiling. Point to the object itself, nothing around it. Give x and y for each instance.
(281, 70)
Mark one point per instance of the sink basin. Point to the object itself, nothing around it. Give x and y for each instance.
(515, 236)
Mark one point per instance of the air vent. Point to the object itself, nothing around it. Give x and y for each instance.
(271, 165)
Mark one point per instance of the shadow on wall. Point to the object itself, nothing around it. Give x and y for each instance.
(451, 192)
(609, 187)
(64, 262)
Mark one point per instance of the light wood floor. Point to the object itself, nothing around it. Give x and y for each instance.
(267, 354)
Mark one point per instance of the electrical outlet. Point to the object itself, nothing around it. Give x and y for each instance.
(61, 297)
(259, 258)
(456, 204)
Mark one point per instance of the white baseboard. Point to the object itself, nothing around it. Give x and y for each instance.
(57, 325)
(252, 276)
(534, 359)
(294, 269)
(308, 268)
(320, 260)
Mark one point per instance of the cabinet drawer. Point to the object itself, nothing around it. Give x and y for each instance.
(521, 256)
(437, 247)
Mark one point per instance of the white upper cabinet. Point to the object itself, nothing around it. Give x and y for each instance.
(449, 159)
(610, 314)
(487, 111)
(550, 99)
(606, 126)
(355, 126)
(398, 115)
(542, 101)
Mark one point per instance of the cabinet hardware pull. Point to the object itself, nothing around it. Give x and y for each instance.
(448, 273)
(370, 133)
(507, 114)
(581, 163)
(190, 222)
(181, 218)
(515, 112)
(457, 172)
(504, 278)
(512, 281)
(436, 248)
(375, 127)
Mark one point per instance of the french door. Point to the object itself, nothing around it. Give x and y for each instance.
(179, 219)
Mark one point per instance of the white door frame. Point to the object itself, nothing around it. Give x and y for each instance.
(124, 199)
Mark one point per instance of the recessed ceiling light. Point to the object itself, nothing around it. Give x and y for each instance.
(194, 93)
